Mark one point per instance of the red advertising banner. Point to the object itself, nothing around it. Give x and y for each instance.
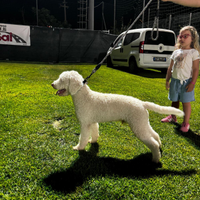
(14, 35)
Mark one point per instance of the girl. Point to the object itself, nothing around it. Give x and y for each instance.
(192, 3)
(183, 72)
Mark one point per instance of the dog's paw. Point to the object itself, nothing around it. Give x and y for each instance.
(77, 147)
(92, 141)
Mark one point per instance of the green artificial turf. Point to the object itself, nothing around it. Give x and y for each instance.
(38, 130)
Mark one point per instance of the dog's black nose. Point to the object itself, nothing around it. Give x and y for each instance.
(52, 85)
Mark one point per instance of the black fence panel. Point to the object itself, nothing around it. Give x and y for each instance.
(44, 45)
(60, 45)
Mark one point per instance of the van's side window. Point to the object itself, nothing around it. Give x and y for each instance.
(130, 38)
(117, 42)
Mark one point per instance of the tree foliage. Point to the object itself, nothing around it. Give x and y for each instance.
(46, 19)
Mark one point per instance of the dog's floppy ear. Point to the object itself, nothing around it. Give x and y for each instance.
(75, 83)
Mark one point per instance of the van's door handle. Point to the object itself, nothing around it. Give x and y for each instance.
(121, 50)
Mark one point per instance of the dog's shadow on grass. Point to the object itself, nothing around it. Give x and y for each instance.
(193, 137)
(90, 165)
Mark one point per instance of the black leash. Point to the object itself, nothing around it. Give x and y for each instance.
(156, 23)
(93, 71)
(124, 35)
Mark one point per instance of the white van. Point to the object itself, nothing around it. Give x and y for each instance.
(139, 50)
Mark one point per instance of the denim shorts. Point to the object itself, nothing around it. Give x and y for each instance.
(178, 91)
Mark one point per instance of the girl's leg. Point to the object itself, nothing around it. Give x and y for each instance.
(175, 104)
(171, 118)
(187, 111)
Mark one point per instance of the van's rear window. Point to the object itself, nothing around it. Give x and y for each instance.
(165, 38)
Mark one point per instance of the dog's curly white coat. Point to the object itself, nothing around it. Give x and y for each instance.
(93, 107)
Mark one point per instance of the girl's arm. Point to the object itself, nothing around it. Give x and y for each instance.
(190, 3)
(195, 75)
(169, 74)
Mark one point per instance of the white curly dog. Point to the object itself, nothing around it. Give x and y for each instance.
(93, 107)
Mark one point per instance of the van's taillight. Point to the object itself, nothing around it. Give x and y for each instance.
(141, 50)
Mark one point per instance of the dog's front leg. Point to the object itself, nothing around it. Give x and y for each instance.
(84, 137)
(94, 131)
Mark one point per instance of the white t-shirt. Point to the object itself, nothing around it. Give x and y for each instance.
(183, 62)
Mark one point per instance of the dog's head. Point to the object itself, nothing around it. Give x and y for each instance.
(68, 83)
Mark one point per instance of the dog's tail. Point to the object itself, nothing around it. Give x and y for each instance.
(163, 109)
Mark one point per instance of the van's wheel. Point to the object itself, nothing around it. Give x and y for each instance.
(109, 62)
(133, 68)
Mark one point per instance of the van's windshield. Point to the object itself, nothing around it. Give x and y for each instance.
(165, 38)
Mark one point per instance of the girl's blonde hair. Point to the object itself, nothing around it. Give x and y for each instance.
(194, 35)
